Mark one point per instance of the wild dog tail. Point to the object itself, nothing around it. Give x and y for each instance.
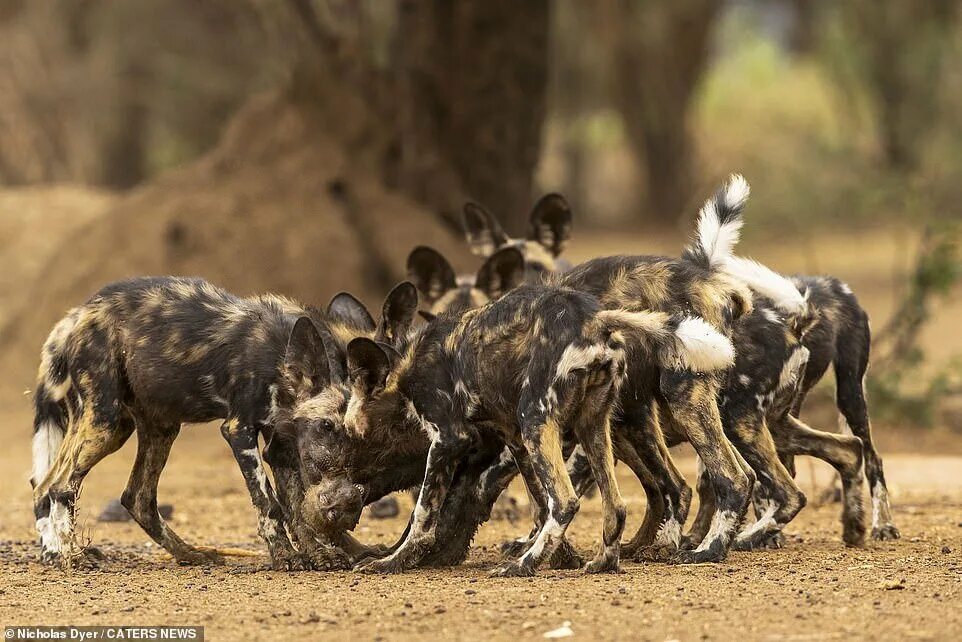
(51, 412)
(679, 341)
(719, 225)
(768, 283)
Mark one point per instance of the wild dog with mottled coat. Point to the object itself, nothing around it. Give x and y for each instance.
(764, 381)
(149, 354)
(530, 368)
(840, 337)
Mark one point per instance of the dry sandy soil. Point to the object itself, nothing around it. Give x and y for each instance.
(813, 589)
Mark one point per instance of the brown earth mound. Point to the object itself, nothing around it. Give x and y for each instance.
(277, 206)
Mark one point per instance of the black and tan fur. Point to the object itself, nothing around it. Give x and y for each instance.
(536, 365)
(840, 337)
(149, 354)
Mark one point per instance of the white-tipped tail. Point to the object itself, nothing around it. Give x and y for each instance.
(701, 347)
(720, 223)
(768, 283)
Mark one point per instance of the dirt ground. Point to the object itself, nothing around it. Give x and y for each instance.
(813, 589)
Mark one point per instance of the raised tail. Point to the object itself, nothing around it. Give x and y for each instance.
(768, 283)
(51, 411)
(719, 225)
(678, 341)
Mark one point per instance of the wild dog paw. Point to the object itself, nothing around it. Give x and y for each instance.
(386, 566)
(513, 568)
(653, 553)
(514, 548)
(760, 541)
(885, 532)
(566, 557)
(688, 543)
(605, 562)
(200, 556)
(711, 554)
(853, 533)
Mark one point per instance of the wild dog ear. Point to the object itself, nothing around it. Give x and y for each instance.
(367, 365)
(482, 230)
(306, 369)
(393, 356)
(551, 223)
(431, 273)
(427, 316)
(346, 308)
(502, 272)
(397, 315)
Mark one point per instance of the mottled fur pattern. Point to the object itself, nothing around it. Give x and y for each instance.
(150, 354)
(536, 366)
(840, 336)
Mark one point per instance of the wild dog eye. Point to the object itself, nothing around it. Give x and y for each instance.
(327, 424)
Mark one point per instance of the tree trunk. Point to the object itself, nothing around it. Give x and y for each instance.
(474, 76)
(660, 51)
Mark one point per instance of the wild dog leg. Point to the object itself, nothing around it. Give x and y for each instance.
(542, 441)
(706, 510)
(441, 465)
(691, 401)
(94, 436)
(850, 396)
(140, 496)
(844, 453)
(242, 437)
(316, 548)
(593, 429)
(564, 556)
(639, 425)
(776, 497)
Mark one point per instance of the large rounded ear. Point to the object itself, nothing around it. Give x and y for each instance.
(306, 369)
(482, 230)
(346, 308)
(397, 315)
(367, 365)
(431, 273)
(502, 272)
(551, 223)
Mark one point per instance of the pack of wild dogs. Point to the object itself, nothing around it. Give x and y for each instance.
(531, 366)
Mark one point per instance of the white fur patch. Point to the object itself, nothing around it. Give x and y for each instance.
(669, 533)
(722, 522)
(768, 283)
(763, 522)
(702, 348)
(793, 368)
(881, 513)
(551, 530)
(577, 357)
(46, 444)
(716, 240)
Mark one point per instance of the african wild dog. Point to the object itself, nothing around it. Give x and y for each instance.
(149, 354)
(684, 400)
(534, 366)
(755, 402)
(840, 336)
(760, 386)
(444, 291)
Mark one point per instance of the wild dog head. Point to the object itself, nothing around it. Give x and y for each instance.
(548, 234)
(444, 291)
(323, 413)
